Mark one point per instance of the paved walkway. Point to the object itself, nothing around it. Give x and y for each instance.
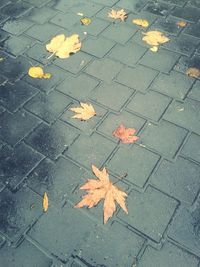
(42, 149)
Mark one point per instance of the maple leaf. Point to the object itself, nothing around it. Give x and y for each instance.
(126, 135)
(37, 72)
(45, 202)
(120, 14)
(63, 46)
(193, 72)
(154, 38)
(141, 22)
(85, 112)
(102, 188)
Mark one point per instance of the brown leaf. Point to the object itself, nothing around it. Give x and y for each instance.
(155, 38)
(126, 135)
(181, 23)
(45, 202)
(85, 112)
(118, 14)
(102, 188)
(141, 22)
(193, 72)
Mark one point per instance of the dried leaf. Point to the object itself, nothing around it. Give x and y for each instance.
(85, 21)
(102, 188)
(154, 48)
(181, 23)
(141, 22)
(155, 38)
(84, 112)
(37, 72)
(126, 135)
(63, 46)
(193, 72)
(118, 14)
(45, 202)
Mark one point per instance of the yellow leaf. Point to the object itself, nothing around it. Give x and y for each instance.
(154, 38)
(37, 72)
(45, 203)
(85, 21)
(120, 14)
(85, 112)
(154, 48)
(141, 22)
(181, 23)
(63, 46)
(193, 72)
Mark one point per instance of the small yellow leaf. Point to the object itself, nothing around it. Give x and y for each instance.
(154, 49)
(84, 112)
(47, 76)
(181, 23)
(141, 22)
(37, 72)
(45, 203)
(193, 72)
(79, 14)
(85, 21)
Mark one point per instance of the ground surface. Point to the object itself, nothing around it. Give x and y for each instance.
(43, 149)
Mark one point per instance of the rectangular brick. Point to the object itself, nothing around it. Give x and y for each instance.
(187, 13)
(192, 147)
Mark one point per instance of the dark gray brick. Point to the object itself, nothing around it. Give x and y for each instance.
(13, 96)
(17, 216)
(187, 13)
(98, 69)
(66, 20)
(185, 114)
(15, 257)
(78, 87)
(167, 24)
(193, 29)
(154, 134)
(149, 212)
(97, 47)
(192, 147)
(41, 15)
(52, 141)
(161, 9)
(87, 155)
(175, 85)
(16, 126)
(163, 61)
(131, 53)
(179, 179)
(17, 26)
(111, 95)
(138, 164)
(178, 257)
(103, 245)
(151, 105)
(195, 92)
(135, 78)
(16, 9)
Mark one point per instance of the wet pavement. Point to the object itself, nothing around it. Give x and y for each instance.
(43, 149)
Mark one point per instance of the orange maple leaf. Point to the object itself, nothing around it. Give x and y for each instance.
(126, 135)
(102, 188)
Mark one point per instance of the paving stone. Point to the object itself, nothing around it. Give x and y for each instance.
(66, 240)
(131, 161)
(177, 2)
(3, 35)
(52, 140)
(153, 137)
(17, 26)
(102, 245)
(112, 121)
(112, 33)
(39, 53)
(179, 179)
(167, 25)
(185, 114)
(187, 13)
(16, 9)
(66, 20)
(151, 105)
(95, 28)
(131, 53)
(48, 107)
(87, 155)
(2, 240)
(186, 62)
(178, 257)
(37, 3)
(64, 6)
(16, 126)
(13, 96)
(77, 263)
(174, 85)
(135, 5)
(194, 3)
(3, 18)
(98, 69)
(106, 2)
(111, 95)
(41, 15)
(195, 92)
(15, 257)
(192, 148)
(157, 8)
(4, 3)
(193, 29)
(78, 87)
(135, 78)
(75, 63)
(87, 8)
(149, 212)
(1, 109)
(162, 61)
(17, 216)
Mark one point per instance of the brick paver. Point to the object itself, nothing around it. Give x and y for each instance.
(43, 149)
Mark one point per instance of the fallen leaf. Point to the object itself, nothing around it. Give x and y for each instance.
(154, 48)
(85, 21)
(1, 59)
(126, 135)
(118, 14)
(193, 72)
(84, 112)
(155, 38)
(37, 72)
(99, 189)
(141, 22)
(63, 46)
(79, 14)
(181, 23)
(45, 203)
